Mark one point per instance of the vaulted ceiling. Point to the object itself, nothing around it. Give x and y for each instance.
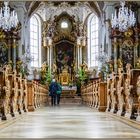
(34, 5)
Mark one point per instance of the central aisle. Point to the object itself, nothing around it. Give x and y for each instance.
(68, 121)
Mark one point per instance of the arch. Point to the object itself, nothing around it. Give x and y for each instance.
(93, 43)
(35, 40)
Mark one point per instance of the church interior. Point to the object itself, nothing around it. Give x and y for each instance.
(92, 48)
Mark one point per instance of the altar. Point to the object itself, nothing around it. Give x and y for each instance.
(64, 77)
(69, 92)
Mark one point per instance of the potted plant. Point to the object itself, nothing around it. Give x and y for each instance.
(82, 76)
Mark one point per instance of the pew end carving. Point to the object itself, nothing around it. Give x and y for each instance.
(122, 92)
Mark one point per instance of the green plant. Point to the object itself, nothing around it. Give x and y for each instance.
(46, 76)
(49, 76)
(82, 76)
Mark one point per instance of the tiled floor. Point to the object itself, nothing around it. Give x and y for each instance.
(68, 121)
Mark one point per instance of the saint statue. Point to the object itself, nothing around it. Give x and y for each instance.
(54, 68)
(44, 69)
(120, 64)
(138, 86)
(84, 66)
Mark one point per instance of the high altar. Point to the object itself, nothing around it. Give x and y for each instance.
(64, 53)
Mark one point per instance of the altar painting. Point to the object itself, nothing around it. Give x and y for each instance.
(64, 56)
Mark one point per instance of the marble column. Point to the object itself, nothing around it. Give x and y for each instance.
(115, 54)
(136, 52)
(80, 55)
(120, 47)
(9, 50)
(48, 57)
(14, 53)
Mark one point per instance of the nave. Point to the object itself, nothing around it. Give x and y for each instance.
(67, 121)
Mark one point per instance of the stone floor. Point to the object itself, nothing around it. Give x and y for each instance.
(68, 121)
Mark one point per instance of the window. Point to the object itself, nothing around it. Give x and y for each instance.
(93, 45)
(35, 41)
(64, 24)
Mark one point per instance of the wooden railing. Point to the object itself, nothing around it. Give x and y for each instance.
(37, 95)
(94, 94)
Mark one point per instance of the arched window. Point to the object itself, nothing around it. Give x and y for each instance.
(64, 24)
(35, 41)
(93, 46)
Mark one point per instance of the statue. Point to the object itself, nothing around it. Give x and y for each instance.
(19, 65)
(84, 66)
(54, 68)
(8, 67)
(128, 70)
(110, 68)
(120, 64)
(138, 63)
(138, 87)
(35, 72)
(138, 93)
(44, 69)
(94, 72)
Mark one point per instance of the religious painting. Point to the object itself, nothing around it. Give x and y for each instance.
(64, 56)
(3, 53)
(128, 52)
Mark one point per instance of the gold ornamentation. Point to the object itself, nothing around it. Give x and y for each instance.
(44, 69)
(84, 66)
(2, 35)
(138, 86)
(54, 68)
(128, 42)
(120, 64)
(138, 63)
(128, 33)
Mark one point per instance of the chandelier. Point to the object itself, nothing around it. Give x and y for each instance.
(8, 19)
(125, 19)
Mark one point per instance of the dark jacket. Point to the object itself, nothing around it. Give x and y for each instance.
(53, 88)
